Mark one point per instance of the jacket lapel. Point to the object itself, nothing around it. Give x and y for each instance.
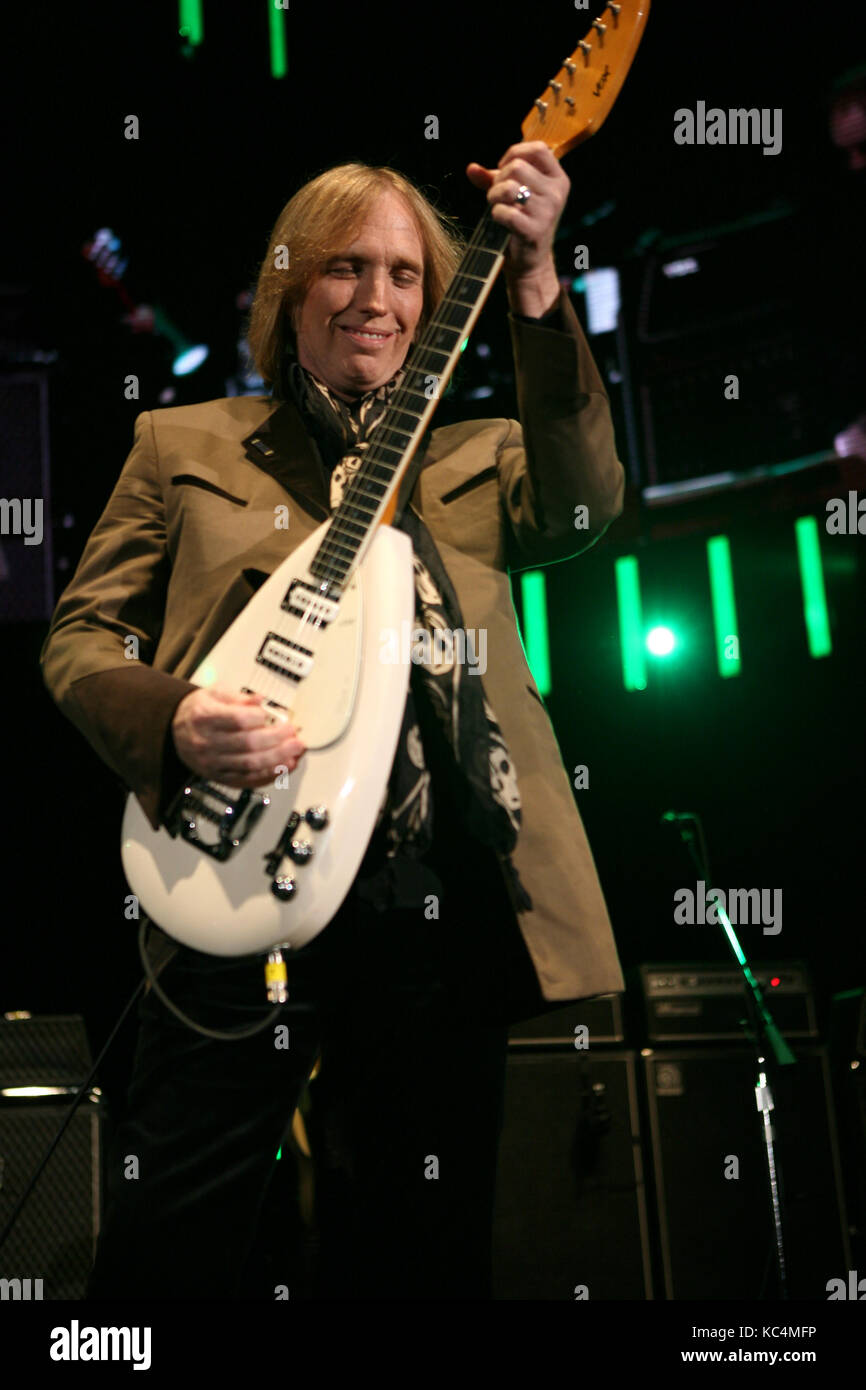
(281, 447)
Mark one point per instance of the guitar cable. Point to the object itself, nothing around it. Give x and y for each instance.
(229, 1035)
(148, 978)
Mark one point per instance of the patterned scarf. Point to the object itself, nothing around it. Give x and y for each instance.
(480, 771)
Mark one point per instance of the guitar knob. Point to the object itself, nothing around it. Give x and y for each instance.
(300, 851)
(317, 817)
(284, 887)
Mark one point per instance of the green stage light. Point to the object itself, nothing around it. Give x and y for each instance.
(660, 641)
(536, 645)
(724, 606)
(812, 583)
(191, 21)
(188, 356)
(277, 33)
(630, 623)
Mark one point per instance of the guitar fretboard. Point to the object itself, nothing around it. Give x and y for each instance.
(428, 369)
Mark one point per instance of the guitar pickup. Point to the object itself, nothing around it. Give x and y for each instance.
(213, 818)
(310, 604)
(287, 658)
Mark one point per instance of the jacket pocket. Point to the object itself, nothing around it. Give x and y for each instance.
(483, 477)
(195, 481)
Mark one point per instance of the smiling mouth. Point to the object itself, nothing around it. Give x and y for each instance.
(366, 336)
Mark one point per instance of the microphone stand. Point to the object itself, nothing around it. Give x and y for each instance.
(770, 1047)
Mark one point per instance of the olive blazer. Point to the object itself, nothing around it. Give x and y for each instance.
(188, 534)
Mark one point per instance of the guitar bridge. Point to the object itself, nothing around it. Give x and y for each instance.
(214, 818)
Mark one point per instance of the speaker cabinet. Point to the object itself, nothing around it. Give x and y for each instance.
(706, 317)
(570, 1212)
(54, 1237)
(715, 1231)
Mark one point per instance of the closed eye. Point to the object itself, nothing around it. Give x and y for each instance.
(403, 278)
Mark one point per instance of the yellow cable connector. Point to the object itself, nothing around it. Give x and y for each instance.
(276, 978)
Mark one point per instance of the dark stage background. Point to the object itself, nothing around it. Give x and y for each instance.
(773, 759)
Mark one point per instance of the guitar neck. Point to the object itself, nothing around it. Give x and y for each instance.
(428, 369)
(575, 104)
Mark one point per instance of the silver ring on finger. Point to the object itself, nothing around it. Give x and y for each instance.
(523, 194)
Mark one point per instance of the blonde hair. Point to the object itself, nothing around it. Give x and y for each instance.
(318, 222)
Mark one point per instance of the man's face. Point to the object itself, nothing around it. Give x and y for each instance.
(374, 284)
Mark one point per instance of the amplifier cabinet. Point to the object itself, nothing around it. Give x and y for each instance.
(710, 1181)
(54, 1237)
(686, 1002)
(570, 1214)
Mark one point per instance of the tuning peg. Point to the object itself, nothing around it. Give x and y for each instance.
(556, 86)
(585, 48)
(569, 66)
(542, 105)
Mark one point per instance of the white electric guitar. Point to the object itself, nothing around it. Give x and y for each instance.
(235, 872)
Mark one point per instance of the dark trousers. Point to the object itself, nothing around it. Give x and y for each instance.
(409, 1013)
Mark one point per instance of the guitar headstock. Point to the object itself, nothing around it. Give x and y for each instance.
(575, 102)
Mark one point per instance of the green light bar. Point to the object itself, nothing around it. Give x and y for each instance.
(630, 623)
(279, 66)
(191, 21)
(724, 606)
(534, 597)
(812, 582)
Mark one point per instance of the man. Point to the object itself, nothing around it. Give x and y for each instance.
(408, 1011)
